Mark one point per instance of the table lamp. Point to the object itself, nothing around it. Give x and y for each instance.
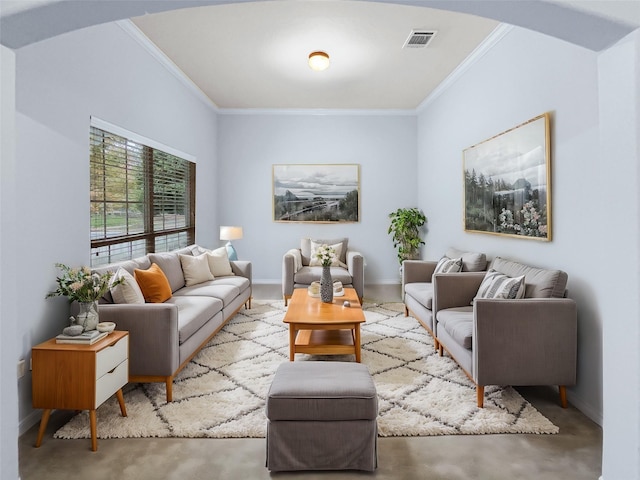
(231, 233)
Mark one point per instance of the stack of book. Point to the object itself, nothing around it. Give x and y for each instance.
(85, 338)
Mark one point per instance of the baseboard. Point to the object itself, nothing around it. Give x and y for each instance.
(29, 421)
(584, 407)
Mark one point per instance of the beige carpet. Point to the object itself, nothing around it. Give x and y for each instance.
(221, 393)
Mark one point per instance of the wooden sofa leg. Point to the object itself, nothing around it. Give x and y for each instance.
(169, 386)
(480, 395)
(436, 344)
(286, 300)
(563, 395)
(439, 349)
(406, 311)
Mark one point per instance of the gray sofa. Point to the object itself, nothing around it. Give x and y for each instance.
(526, 341)
(297, 273)
(164, 337)
(417, 286)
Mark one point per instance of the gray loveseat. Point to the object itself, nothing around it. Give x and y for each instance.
(164, 337)
(526, 341)
(417, 287)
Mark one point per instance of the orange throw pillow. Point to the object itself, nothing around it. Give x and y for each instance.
(153, 283)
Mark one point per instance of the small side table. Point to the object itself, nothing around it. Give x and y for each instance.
(79, 377)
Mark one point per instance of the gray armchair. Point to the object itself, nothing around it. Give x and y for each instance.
(528, 341)
(297, 273)
(417, 287)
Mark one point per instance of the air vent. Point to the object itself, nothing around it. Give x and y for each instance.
(419, 39)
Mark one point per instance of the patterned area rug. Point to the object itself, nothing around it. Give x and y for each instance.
(222, 392)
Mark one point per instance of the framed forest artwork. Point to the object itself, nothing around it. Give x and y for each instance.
(320, 193)
(507, 182)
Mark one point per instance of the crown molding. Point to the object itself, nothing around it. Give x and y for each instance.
(480, 51)
(134, 32)
(318, 111)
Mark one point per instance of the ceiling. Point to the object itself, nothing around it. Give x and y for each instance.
(254, 55)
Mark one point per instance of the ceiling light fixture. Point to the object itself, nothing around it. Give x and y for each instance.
(318, 61)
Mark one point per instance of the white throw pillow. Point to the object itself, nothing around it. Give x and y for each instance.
(448, 265)
(497, 285)
(314, 262)
(219, 262)
(195, 269)
(128, 291)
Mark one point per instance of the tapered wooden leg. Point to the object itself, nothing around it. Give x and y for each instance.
(563, 395)
(440, 349)
(480, 395)
(436, 344)
(169, 386)
(292, 342)
(123, 408)
(356, 342)
(406, 311)
(286, 300)
(43, 426)
(94, 433)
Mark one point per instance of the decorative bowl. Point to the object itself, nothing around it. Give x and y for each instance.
(106, 327)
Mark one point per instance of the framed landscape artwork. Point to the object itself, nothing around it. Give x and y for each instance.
(323, 193)
(507, 183)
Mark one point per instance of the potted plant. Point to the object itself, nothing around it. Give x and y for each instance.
(405, 227)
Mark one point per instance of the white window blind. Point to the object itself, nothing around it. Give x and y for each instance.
(142, 198)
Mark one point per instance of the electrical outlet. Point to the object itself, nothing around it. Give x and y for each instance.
(22, 368)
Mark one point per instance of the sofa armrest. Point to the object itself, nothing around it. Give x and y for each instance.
(355, 265)
(153, 335)
(242, 268)
(531, 341)
(455, 289)
(414, 271)
(288, 271)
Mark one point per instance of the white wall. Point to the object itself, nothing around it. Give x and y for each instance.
(99, 71)
(249, 144)
(524, 75)
(619, 80)
(8, 288)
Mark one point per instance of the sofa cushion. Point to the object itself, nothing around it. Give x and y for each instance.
(540, 283)
(219, 262)
(305, 248)
(422, 292)
(195, 269)
(153, 283)
(322, 391)
(193, 313)
(170, 264)
(225, 293)
(128, 291)
(458, 322)
(306, 275)
(242, 283)
(471, 261)
(497, 285)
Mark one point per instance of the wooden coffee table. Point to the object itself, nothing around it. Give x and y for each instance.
(322, 328)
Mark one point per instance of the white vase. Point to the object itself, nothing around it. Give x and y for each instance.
(87, 315)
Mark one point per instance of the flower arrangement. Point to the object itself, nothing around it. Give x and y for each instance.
(326, 255)
(81, 285)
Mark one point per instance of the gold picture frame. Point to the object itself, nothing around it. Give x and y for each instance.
(316, 193)
(507, 182)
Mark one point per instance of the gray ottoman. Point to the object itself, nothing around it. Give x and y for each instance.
(322, 416)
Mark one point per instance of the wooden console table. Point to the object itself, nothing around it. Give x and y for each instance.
(79, 377)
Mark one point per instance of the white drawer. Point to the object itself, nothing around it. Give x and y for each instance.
(108, 358)
(111, 382)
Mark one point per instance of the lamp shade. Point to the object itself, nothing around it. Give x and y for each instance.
(230, 233)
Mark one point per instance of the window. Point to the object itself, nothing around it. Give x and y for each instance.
(142, 198)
